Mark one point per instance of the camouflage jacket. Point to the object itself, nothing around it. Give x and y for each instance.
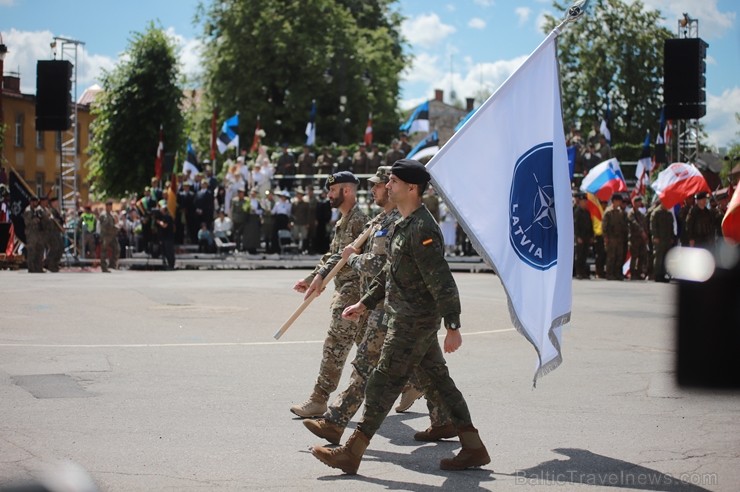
(374, 254)
(661, 225)
(614, 223)
(637, 225)
(416, 281)
(107, 225)
(347, 228)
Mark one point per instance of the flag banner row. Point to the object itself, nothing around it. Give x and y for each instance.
(418, 121)
(504, 175)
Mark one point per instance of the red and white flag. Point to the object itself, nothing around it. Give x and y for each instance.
(369, 131)
(160, 155)
(677, 182)
(731, 221)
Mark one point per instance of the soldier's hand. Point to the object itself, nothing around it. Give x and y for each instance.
(453, 340)
(314, 287)
(300, 286)
(348, 251)
(354, 311)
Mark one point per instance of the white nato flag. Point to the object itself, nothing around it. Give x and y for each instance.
(505, 176)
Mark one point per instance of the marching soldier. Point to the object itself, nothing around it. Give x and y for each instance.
(109, 249)
(32, 217)
(342, 332)
(55, 240)
(614, 228)
(661, 227)
(700, 223)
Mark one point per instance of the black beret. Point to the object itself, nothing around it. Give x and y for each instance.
(410, 171)
(617, 196)
(341, 177)
(700, 195)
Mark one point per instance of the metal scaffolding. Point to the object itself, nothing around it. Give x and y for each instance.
(687, 131)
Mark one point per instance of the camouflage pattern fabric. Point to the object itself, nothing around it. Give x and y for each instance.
(34, 239)
(109, 248)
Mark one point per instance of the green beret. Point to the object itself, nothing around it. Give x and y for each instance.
(410, 171)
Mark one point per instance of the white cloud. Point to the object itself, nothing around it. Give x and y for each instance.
(477, 23)
(540, 21)
(406, 104)
(190, 54)
(426, 30)
(712, 22)
(523, 13)
(720, 124)
(424, 68)
(711, 60)
(483, 3)
(451, 7)
(7, 3)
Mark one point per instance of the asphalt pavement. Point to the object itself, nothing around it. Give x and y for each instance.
(148, 380)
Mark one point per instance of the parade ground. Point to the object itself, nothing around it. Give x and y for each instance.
(153, 380)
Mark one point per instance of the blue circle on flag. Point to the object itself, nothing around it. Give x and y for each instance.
(533, 231)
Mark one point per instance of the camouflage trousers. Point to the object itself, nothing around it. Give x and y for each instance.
(34, 253)
(110, 251)
(408, 344)
(55, 251)
(342, 335)
(346, 404)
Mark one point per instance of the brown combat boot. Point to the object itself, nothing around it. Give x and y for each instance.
(315, 406)
(325, 429)
(347, 458)
(473, 452)
(408, 397)
(436, 432)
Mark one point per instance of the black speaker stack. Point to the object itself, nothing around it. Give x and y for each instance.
(53, 95)
(684, 78)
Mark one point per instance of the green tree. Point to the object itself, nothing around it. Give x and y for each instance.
(271, 58)
(613, 53)
(139, 95)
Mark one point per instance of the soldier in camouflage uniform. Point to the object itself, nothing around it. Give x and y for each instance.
(615, 230)
(584, 234)
(661, 230)
(55, 239)
(109, 249)
(700, 223)
(419, 292)
(638, 230)
(368, 264)
(34, 236)
(342, 332)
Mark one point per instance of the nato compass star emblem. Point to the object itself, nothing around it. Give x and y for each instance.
(533, 229)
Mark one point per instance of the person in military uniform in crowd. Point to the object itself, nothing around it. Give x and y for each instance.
(419, 293)
(240, 206)
(700, 223)
(394, 154)
(404, 145)
(638, 240)
(584, 234)
(88, 226)
(287, 167)
(661, 228)
(683, 215)
(55, 240)
(324, 162)
(368, 262)
(47, 224)
(342, 332)
(166, 234)
(431, 202)
(299, 212)
(109, 250)
(306, 161)
(615, 230)
(32, 218)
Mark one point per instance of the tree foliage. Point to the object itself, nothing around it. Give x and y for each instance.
(139, 95)
(612, 54)
(271, 58)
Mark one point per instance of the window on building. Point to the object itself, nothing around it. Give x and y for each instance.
(19, 119)
(40, 184)
(39, 140)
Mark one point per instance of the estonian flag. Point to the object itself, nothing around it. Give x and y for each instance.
(505, 177)
(229, 134)
(311, 125)
(191, 162)
(418, 121)
(427, 147)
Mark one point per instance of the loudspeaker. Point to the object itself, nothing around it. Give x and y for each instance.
(684, 71)
(53, 95)
(685, 111)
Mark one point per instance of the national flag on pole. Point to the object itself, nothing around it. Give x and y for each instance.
(257, 137)
(214, 118)
(369, 131)
(604, 179)
(418, 121)
(427, 147)
(604, 128)
(596, 211)
(505, 177)
(660, 154)
(229, 136)
(20, 197)
(731, 220)
(160, 155)
(311, 125)
(644, 166)
(172, 195)
(677, 182)
(191, 161)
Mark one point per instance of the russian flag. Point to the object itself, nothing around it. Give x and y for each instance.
(677, 182)
(604, 179)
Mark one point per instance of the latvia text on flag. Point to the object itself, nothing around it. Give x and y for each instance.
(20, 197)
(311, 125)
(510, 158)
(418, 121)
(604, 179)
(426, 148)
(229, 136)
(369, 131)
(191, 161)
(731, 220)
(160, 155)
(644, 166)
(677, 182)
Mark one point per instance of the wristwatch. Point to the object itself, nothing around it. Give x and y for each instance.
(453, 326)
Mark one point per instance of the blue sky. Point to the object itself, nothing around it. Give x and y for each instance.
(465, 45)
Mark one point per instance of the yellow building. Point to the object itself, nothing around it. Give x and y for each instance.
(37, 156)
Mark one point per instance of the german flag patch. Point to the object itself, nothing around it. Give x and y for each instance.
(427, 242)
